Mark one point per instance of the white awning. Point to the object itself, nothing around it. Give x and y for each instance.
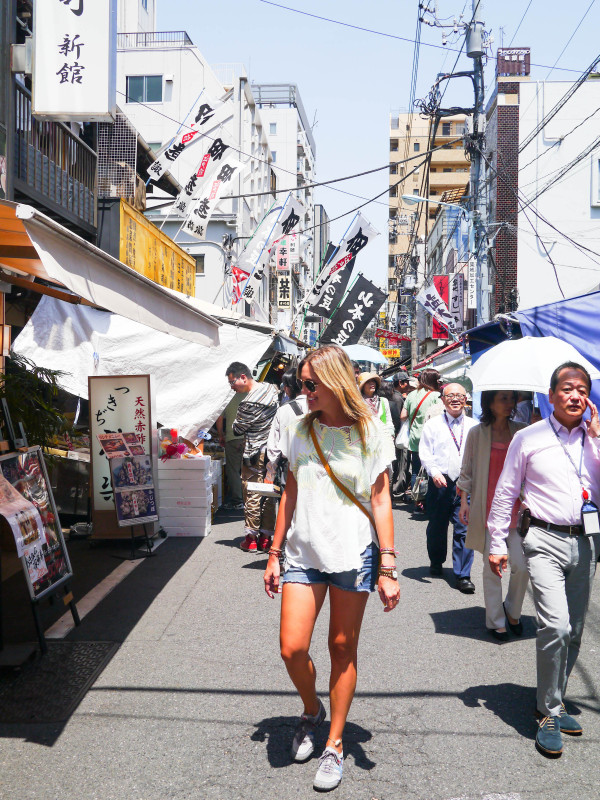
(33, 244)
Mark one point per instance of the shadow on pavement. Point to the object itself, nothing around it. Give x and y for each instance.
(513, 704)
(470, 622)
(278, 733)
(420, 574)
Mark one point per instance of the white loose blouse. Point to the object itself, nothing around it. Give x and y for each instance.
(328, 531)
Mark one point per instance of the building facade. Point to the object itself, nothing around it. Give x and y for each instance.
(162, 79)
(543, 175)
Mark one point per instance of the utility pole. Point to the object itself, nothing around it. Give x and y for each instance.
(475, 50)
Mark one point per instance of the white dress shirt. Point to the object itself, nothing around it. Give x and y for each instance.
(437, 449)
(537, 464)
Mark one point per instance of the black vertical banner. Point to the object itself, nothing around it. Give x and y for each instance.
(333, 292)
(358, 309)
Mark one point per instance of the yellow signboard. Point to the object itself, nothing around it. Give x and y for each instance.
(390, 352)
(147, 250)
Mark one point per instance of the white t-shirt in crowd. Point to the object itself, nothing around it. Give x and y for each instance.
(328, 531)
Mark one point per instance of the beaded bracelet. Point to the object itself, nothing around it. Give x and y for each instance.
(391, 550)
(275, 551)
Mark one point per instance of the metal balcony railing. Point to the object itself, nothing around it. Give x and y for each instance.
(126, 41)
(53, 164)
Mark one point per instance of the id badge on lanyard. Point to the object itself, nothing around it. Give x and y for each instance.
(590, 518)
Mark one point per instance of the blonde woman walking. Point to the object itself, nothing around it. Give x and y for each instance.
(337, 514)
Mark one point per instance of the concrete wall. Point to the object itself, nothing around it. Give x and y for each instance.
(136, 16)
(568, 204)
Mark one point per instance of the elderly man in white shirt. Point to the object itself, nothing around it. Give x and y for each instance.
(555, 465)
(441, 451)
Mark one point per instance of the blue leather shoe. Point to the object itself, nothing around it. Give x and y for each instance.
(568, 724)
(548, 739)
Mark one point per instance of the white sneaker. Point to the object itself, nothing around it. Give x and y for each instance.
(331, 767)
(303, 744)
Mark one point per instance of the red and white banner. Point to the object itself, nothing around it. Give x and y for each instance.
(203, 208)
(208, 116)
(238, 277)
(197, 181)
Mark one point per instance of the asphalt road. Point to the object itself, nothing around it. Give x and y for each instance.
(197, 704)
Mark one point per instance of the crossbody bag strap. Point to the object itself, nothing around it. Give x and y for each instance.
(419, 406)
(337, 481)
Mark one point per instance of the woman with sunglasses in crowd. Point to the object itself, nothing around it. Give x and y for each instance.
(337, 514)
(485, 452)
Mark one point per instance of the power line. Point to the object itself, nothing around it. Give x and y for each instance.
(383, 33)
(579, 24)
(237, 150)
(520, 22)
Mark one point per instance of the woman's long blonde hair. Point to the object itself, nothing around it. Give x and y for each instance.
(334, 369)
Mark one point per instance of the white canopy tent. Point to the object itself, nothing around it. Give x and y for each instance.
(189, 378)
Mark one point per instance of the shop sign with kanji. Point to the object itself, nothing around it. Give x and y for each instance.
(118, 404)
(75, 60)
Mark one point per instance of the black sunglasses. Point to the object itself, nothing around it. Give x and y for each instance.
(310, 385)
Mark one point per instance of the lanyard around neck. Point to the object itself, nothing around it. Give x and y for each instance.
(584, 492)
(462, 430)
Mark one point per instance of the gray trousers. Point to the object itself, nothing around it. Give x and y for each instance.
(234, 449)
(561, 569)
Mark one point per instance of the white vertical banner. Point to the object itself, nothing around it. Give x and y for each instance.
(284, 290)
(431, 301)
(357, 237)
(208, 116)
(75, 60)
(289, 217)
(472, 283)
(294, 242)
(203, 208)
(457, 299)
(201, 175)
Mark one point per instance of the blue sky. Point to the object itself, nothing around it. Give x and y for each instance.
(350, 80)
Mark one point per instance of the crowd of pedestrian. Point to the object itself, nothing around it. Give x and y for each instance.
(340, 445)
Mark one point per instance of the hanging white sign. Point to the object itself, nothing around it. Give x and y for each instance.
(472, 284)
(75, 60)
(203, 208)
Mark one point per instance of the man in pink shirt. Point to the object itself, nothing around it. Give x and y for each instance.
(555, 463)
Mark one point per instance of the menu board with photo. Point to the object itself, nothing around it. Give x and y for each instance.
(27, 503)
(133, 485)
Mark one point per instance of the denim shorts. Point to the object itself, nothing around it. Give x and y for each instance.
(354, 580)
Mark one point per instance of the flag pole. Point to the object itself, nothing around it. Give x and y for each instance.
(321, 265)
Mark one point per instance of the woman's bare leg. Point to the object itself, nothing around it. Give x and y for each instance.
(347, 609)
(300, 606)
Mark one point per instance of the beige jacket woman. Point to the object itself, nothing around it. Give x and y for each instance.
(473, 480)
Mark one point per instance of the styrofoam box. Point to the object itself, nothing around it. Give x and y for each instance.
(177, 513)
(186, 502)
(185, 475)
(201, 464)
(182, 530)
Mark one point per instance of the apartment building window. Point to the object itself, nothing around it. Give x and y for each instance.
(394, 145)
(393, 169)
(199, 266)
(447, 169)
(144, 88)
(417, 146)
(145, 5)
(393, 191)
(446, 128)
(391, 262)
(273, 128)
(392, 284)
(274, 156)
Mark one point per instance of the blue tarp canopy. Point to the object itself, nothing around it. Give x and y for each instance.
(576, 320)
